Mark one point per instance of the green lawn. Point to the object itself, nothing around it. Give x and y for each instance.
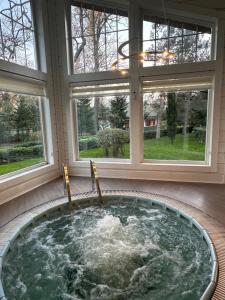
(14, 166)
(184, 148)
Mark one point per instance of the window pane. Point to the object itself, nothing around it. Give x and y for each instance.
(21, 137)
(96, 36)
(103, 126)
(175, 125)
(16, 31)
(183, 42)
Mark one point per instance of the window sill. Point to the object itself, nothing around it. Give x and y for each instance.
(23, 172)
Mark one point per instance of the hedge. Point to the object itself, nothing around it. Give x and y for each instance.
(20, 153)
(151, 133)
(88, 143)
(199, 134)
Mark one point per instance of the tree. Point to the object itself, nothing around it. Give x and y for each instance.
(17, 40)
(171, 114)
(118, 111)
(6, 116)
(85, 117)
(94, 50)
(154, 105)
(103, 116)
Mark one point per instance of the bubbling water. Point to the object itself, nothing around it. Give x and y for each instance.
(118, 252)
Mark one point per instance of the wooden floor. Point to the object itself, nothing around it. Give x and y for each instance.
(209, 198)
(205, 198)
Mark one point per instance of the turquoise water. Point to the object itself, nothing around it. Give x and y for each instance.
(117, 252)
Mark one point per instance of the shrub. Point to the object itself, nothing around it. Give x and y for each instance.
(90, 142)
(20, 153)
(28, 144)
(199, 134)
(105, 140)
(151, 133)
(113, 138)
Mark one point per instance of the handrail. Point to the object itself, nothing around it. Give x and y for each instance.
(66, 182)
(95, 178)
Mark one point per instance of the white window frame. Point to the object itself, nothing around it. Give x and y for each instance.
(36, 80)
(196, 79)
(136, 73)
(74, 119)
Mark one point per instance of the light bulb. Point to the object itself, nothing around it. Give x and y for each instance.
(165, 53)
(123, 72)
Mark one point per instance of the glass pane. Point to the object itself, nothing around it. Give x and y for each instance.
(189, 49)
(175, 31)
(122, 23)
(175, 125)
(103, 127)
(150, 57)
(16, 31)
(176, 48)
(148, 30)
(186, 42)
(161, 31)
(97, 36)
(204, 47)
(21, 137)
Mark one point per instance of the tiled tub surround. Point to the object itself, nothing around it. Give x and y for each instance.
(10, 232)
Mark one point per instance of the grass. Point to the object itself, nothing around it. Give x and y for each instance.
(184, 148)
(14, 166)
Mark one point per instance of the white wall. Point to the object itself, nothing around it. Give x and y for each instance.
(58, 92)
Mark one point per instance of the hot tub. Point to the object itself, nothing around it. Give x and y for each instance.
(129, 248)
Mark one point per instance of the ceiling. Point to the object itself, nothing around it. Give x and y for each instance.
(211, 4)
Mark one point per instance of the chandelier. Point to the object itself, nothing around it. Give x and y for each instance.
(157, 56)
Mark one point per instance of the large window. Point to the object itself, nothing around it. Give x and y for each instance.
(17, 41)
(103, 121)
(99, 38)
(185, 41)
(21, 134)
(175, 121)
(165, 114)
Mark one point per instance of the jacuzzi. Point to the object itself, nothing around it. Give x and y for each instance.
(131, 247)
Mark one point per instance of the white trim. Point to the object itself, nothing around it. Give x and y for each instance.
(27, 87)
(207, 69)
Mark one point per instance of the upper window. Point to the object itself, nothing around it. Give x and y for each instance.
(99, 38)
(172, 42)
(17, 42)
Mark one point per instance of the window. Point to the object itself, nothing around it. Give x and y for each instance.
(188, 42)
(103, 121)
(17, 41)
(99, 38)
(25, 139)
(178, 104)
(21, 134)
(175, 120)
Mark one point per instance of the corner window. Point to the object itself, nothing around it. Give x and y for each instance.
(175, 121)
(17, 38)
(102, 114)
(25, 139)
(181, 42)
(99, 38)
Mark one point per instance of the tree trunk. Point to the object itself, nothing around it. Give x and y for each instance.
(158, 126)
(186, 113)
